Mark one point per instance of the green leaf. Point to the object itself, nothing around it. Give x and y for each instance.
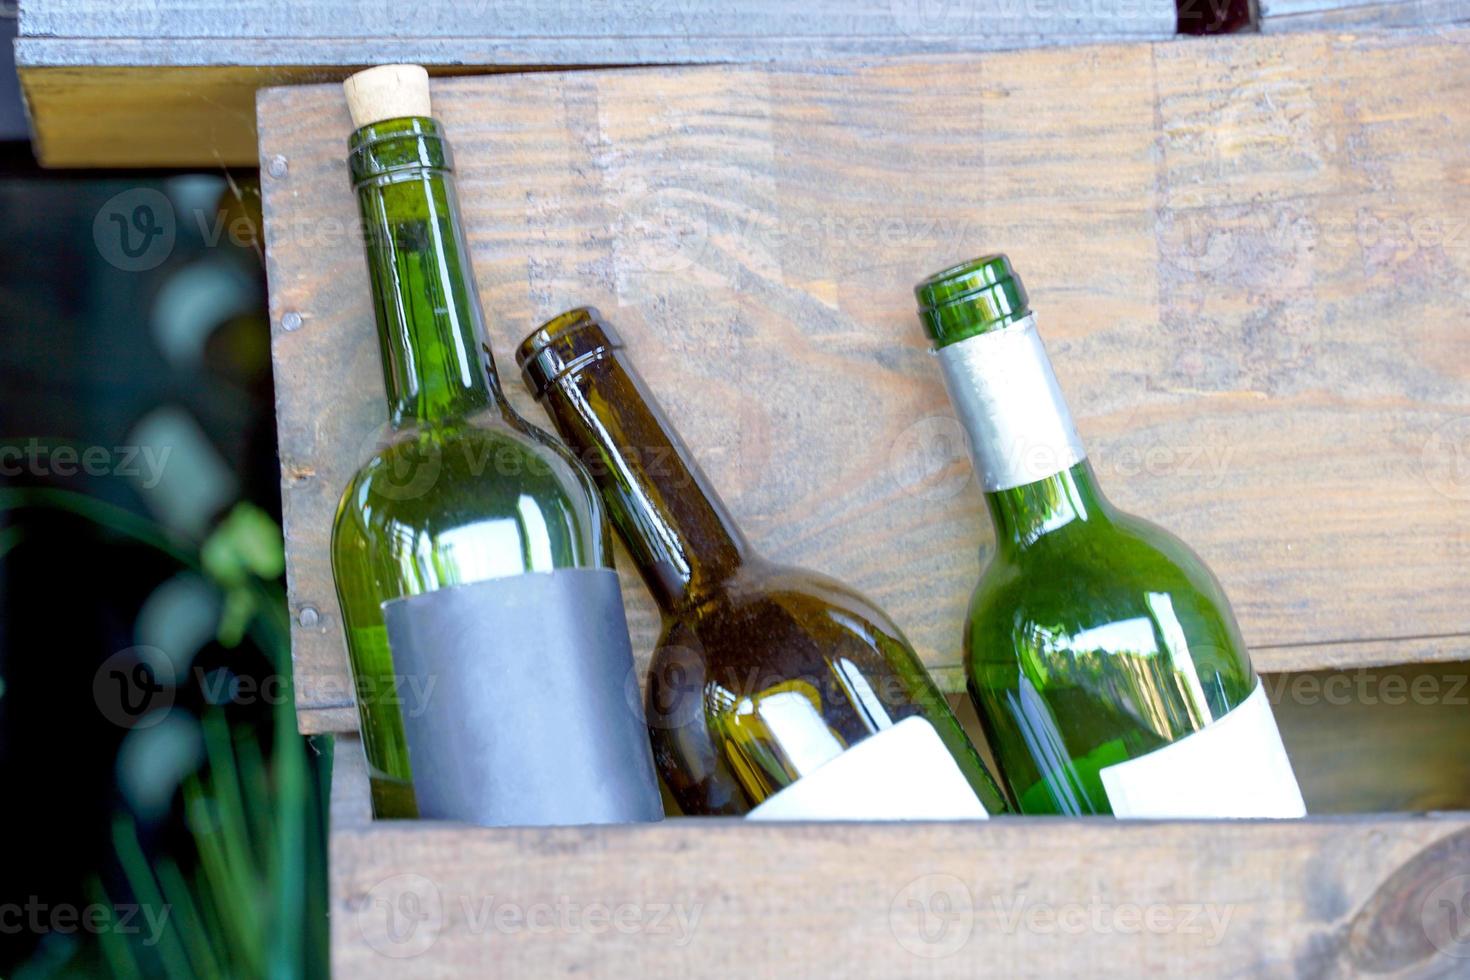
(246, 544)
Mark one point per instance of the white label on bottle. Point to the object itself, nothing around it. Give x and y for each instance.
(1011, 406)
(901, 773)
(1233, 767)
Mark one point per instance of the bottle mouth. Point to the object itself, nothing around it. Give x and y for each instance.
(563, 344)
(383, 150)
(970, 298)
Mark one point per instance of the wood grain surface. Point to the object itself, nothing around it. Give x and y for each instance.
(1249, 258)
(1014, 897)
(172, 83)
(1279, 16)
(733, 28)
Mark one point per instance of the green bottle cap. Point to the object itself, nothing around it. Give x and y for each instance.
(971, 298)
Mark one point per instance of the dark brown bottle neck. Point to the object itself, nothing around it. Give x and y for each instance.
(675, 526)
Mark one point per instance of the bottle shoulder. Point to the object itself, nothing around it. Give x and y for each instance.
(777, 624)
(1116, 641)
(1123, 552)
(478, 492)
(764, 590)
(484, 455)
(1127, 582)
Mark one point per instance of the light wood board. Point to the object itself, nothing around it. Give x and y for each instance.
(1013, 897)
(1279, 16)
(170, 82)
(1249, 258)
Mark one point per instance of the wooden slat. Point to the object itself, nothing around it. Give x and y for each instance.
(96, 115)
(1361, 742)
(1248, 259)
(1279, 16)
(198, 117)
(150, 83)
(1385, 740)
(681, 26)
(1010, 897)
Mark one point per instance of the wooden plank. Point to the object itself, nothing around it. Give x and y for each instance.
(1362, 742)
(149, 83)
(1384, 740)
(201, 117)
(1247, 257)
(808, 27)
(351, 802)
(1356, 654)
(1279, 16)
(1297, 8)
(91, 115)
(1022, 897)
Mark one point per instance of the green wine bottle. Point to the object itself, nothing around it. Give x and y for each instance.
(460, 488)
(771, 687)
(1102, 655)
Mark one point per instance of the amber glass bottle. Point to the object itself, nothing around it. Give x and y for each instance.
(763, 674)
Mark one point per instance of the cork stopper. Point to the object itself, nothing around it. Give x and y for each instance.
(387, 92)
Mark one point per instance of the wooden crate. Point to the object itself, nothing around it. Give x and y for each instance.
(1020, 897)
(1248, 258)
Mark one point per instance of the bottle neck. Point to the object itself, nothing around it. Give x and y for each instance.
(430, 327)
(1028, 458)
(1023, 515)
(676, 528)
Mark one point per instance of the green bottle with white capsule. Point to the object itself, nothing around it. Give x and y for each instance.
(1101, 654)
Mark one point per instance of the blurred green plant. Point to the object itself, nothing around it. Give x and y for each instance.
(251, 900)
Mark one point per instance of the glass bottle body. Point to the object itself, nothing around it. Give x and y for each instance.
(1093, 637)
(528, 510)
(774, 674)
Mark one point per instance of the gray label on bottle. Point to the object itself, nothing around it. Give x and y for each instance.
(527, 712)
(1011, 406)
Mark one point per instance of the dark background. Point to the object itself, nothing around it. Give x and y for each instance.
(92, 351)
